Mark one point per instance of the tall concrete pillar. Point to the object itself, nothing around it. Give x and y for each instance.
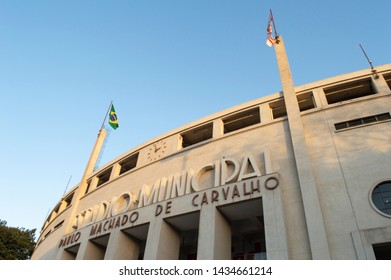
(214, 238)
(163, 242)
(122, 247)
(313, 214)
(79, 193)
(90, 251)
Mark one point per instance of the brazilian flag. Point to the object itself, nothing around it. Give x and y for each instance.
(113, 121)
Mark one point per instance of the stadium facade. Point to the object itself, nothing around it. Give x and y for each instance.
(287, 176)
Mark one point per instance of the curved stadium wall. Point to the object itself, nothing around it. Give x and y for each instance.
(227, 186)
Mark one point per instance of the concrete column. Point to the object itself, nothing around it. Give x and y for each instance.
(89, 251)
(320, 98)
(214, 238)
(358, 245)
(122, 247)
(53, 215)
(265, 113)
(63, 206)
(67, 256)
(163, 241)
(93, 184)
(79, 193)
(380, 85)
(115, 171)
(218, 128)
(313, 214)
(273, 213)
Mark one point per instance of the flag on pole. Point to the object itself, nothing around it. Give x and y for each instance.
(113, 121)
(269, 31)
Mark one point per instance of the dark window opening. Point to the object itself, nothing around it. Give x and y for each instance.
(349, 91)
(68, 199)
(242, 120)
(59, 225)
(278, 109)
(387, 77)
(88, 186)
(57, 208)
(382, 251)
(306, 101)
(197, 135)
(362, 121)
(128, 164)
(104, 177)
(48, 233)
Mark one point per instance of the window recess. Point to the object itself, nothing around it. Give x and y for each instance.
(278, 108)
(197, 135)
(128, 164)
(387, 77)
(68, 199)
(104, 177)
(349, 91)
(362, 121)
(242, 120)
(306, 101)
(88, 186)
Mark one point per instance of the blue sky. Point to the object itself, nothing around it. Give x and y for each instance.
(163, 63)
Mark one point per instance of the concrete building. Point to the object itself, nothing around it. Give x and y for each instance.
(287, 176)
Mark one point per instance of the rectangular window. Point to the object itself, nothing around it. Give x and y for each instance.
(387, 77)
(382, 251)
(241, 120)
(56, 210)
(278, 108)
(128, 164)
(59, 225)
(349, 91)
(362, 121)
(104, 177)
(68, 199)
(306, 101)
(197, 135)
(48, 233)
(88, 186)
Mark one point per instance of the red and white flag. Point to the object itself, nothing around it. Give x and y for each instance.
(269, 31)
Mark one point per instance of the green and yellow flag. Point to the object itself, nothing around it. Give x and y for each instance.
(113, 121)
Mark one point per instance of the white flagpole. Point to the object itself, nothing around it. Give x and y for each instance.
(108, 110)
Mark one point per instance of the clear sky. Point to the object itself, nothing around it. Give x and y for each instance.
(164, 63)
